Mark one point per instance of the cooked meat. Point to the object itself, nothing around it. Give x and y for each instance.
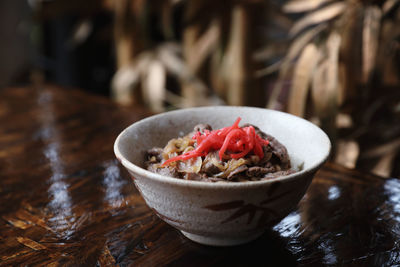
(275, 147)
(155, 152)
(277, 174)
(211, 168)
(267, 155)
(237, 172)
(258, 171)
(201, 127)
(279, 151)
(215, 179)
(193, 176)
(167, 171)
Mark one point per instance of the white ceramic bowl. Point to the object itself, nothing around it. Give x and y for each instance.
(222, 213)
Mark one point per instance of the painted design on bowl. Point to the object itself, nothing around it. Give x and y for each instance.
(250, 209)
(166, 218)
(242, 210)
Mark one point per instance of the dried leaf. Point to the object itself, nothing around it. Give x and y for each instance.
(295, 48)
(269, 70)
(174, 99)
(347, 153)
(342, 83)
(178, 67)
(270, 51)
(318, 16)
(80, 33)
(174, 64)
(153, 86)
(124, 82)
(380, 150)
(203, 47)
(296, 6)
(344, 120)
(388, 6)
(333, 47)
(298, 44)
(197, 46)
(126, 35)
(273, 98)
(325, 81)
(303, 73)
(279, 18)
(372, 21)
(384, 165)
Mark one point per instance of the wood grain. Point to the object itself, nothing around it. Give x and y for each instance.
(66, 201)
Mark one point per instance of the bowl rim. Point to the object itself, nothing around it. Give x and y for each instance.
(197, 184)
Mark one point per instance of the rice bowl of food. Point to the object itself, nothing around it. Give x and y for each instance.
(222, 175)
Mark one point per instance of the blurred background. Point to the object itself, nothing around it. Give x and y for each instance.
(335, 63)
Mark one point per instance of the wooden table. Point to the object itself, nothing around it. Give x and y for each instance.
(65, 200)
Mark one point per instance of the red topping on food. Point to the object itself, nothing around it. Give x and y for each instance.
(233, 141)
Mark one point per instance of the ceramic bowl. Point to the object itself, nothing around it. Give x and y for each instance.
(222, 213)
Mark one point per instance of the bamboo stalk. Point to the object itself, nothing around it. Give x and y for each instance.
(243, 88)
(370, 37)
(123, 40)
(235, 57)
(189, 92)
(350, 51)
(302, 76)
(127, 46)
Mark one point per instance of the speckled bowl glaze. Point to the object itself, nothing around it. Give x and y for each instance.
(223, 213)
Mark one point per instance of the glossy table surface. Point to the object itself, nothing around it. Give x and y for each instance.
(66, 201)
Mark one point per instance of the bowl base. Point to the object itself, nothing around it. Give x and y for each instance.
(221, 241)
